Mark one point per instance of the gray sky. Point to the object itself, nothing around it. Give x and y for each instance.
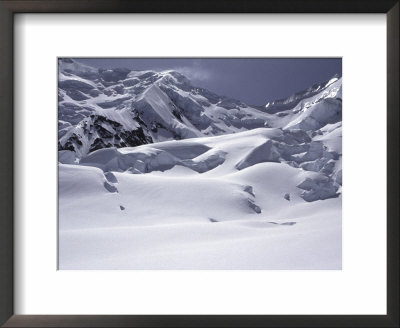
(252, 80)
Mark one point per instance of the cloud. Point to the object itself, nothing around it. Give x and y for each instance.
(194, 73)
(194, 70)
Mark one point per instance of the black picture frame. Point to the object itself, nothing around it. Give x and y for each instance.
(10, 7)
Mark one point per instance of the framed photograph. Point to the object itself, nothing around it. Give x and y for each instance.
(199, 164)
(158, 172)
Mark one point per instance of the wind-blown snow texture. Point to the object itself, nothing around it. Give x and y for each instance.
(155, 173)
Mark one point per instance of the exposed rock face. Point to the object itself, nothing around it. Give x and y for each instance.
(98, 132)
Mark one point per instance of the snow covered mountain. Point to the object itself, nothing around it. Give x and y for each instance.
(290, 102)
(157, 162)
(119, 108)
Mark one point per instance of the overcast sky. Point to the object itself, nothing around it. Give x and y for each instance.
(252, 80)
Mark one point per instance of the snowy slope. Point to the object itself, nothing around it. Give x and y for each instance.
(161, 206)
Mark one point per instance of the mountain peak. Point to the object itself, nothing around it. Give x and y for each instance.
(280, 105)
